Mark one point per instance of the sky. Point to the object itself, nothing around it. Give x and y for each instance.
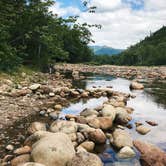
(124, 22)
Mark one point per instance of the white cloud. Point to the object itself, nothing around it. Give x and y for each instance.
(122, 25)
(58, 9)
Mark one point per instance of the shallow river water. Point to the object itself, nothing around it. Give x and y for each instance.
(149, 104)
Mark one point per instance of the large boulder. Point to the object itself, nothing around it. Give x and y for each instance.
(53, 150)
(121, 139)
(85, 159)
(136, 86)
(63, 126)
(36, 126)
(150, 154)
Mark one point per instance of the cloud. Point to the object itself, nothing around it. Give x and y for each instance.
(124, 22)
(64, 11)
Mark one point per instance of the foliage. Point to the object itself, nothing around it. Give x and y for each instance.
(150, 51)
(31, 35)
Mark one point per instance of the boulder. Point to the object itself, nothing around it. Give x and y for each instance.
(36, 126)
(108, 110)
(142, 130)
(105, 122)
(85, 159)
(53, 150)
(88, 145)
(94, 122)
(64, 126)
(121, 139)
(150, 154)
(36, 136)
(126, 152)
(97, 136)
(136, 86)
(88, 112)
(20, 160)
(122, 117)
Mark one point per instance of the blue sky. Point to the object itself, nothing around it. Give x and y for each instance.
(124, 22)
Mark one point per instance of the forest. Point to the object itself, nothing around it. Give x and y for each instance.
(32, 35)
(150, 51)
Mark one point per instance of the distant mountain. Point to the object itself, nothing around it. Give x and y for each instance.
(150, 51)
(105, 50)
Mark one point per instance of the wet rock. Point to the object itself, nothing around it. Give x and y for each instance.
(152, 123)
(88, 112)
(54, 150)
(138, 124)
(85, 94)
(150, 154)
(32, 164)
(105, 122)
(67, 127)
(126, 152)
(70, 116)
(34, 87)
(85, 159)
(88, 145)
(36, 126)
(136, 86)
(22, 150)
(142, 130)
(20, 160)
(97, 136)
(9, 147)
(122, 117)
(121, 139)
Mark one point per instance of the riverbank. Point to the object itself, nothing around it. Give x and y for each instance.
(129, 72)
(107, 123)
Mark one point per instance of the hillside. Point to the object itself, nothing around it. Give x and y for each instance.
(105, 50)
(150, 51)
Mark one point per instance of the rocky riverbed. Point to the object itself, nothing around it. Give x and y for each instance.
(55, 136)
(130, 72)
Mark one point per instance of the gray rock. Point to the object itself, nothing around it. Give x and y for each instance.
(53, 150)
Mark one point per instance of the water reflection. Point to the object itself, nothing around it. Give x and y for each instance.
(149, 104)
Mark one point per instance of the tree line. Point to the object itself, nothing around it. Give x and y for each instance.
(150, 51)
(32, 35)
